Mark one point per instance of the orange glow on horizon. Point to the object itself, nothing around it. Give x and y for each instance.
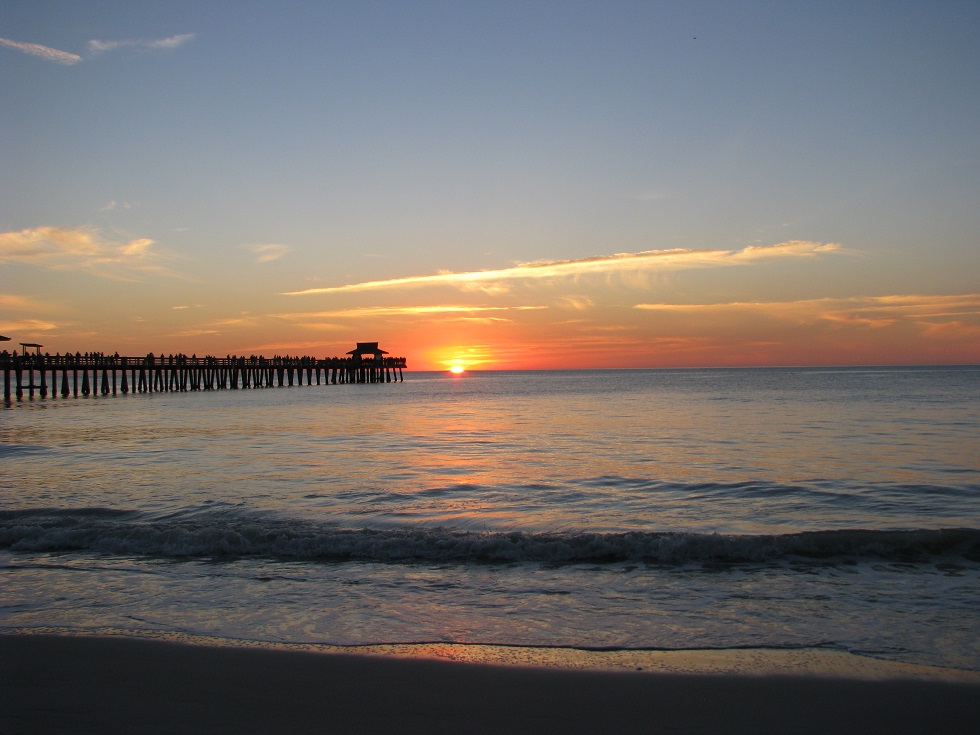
(455, 358)
(894, 330)
(897, 329)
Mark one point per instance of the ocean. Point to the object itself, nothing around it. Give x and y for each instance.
(687, 509)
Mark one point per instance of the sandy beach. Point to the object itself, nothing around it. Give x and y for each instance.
(52, 684)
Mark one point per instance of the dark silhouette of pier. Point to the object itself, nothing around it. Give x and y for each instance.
(95, 373)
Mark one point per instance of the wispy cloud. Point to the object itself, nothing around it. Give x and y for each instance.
(82, 248)
(861, 311)
(171, 41)
(269, 252)
(44, 52)
(16, 302)
(575, 303)
(924, 329)
(113, 205)
(792, 248)
(195, 333)
(97, 47)
(27, 326)
(377, 311)
(620, 263)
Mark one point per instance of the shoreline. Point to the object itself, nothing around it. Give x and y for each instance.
(742, 661)
(98, 683)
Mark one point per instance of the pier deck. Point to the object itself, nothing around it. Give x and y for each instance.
(93, 374)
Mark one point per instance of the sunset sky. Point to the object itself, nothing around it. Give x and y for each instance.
(496, 184)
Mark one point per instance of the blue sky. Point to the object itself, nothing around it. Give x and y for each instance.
(172, 172)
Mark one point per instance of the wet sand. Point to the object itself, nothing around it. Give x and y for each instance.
(79, 684)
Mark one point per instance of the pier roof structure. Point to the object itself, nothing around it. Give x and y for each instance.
(367, 348)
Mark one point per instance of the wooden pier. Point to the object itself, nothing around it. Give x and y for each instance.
(94, 373)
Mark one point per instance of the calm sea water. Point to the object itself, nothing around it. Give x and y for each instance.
(635, 509)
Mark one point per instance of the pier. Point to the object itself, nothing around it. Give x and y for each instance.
(95, 374)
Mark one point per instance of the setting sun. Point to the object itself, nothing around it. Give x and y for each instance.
(456, 369)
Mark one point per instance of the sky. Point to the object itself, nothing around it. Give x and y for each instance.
(498, 185)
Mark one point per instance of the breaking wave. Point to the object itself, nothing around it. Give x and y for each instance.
(233, 535)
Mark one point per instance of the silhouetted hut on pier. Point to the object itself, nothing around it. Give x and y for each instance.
(368, 362)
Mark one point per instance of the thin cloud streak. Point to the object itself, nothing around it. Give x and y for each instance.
(27, 326)
(867, 311)
(44, 52)
(195, 333)
(270, 251)
(171, 41)
(376, 311)
(932, 305)
(97, 47)
(648, 260)
(113, 205)
(18, 302)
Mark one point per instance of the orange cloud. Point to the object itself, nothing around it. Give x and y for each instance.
(17, 302)
(27, 326)
(793, 248)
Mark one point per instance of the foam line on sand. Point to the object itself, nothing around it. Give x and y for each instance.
(88, 684)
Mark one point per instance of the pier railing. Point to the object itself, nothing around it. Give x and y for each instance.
(99, 374)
